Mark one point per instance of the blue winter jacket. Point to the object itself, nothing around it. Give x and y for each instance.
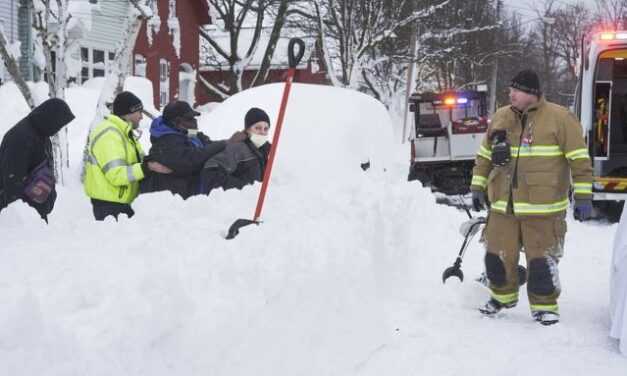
(183, 154)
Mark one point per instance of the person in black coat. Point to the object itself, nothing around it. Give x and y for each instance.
(177, 144)
(26, 162)
(242, 163)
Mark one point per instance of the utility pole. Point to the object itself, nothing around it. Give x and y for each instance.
(25, 35)
(495, 65)
(411, 78)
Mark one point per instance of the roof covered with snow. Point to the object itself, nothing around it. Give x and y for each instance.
(212, 60)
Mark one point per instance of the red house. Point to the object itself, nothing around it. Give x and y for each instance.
(167, 49)
(311, 69)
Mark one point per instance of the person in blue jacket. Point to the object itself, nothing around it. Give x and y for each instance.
(177, 144)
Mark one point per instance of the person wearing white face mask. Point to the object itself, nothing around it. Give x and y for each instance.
(241, 163)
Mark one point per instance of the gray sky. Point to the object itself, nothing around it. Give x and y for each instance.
(526, 7)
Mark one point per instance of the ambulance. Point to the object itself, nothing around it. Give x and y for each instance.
(601, 106)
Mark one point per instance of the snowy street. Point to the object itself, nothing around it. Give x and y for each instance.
(343, 277)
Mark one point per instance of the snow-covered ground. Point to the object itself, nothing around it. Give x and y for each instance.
(343, 277)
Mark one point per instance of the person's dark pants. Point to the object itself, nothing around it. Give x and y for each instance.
(103, 209)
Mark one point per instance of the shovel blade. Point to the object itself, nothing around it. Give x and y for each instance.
(238, 224)
(453, 271)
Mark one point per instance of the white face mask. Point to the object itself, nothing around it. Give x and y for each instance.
(192, 132)
(258, 140)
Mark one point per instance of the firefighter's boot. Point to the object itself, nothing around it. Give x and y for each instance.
(493, 306)
(546, 318)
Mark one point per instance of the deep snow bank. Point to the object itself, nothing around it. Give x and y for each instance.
(343, 277)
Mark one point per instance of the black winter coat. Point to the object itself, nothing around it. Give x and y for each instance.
(184, 156)
(27, 145)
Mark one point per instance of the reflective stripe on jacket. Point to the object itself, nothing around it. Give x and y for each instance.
(113, 169)
(550, 153)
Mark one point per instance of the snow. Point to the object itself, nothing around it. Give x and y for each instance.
(154, 22)
(82, 11)
(618, 286)
(174, 27)
(342, 277)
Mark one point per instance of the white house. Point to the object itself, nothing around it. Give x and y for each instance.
(8, 22)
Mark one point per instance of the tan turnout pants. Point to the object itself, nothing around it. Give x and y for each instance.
(542, 240)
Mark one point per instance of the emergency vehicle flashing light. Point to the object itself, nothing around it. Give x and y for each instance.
(451, 101)
(613, 36)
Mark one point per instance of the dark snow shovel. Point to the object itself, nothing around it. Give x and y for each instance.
(469, 229)
(294, 58)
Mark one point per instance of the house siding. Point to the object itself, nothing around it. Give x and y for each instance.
(8, 20)
(190, 16)
(108, 25)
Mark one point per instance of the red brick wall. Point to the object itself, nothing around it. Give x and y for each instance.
(215, 77)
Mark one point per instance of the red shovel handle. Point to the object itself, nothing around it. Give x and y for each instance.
(294, 59)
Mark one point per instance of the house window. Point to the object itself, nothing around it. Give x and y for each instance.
(140, 65)
(98, 63)
(99, 56)
(164, 82)
(84, 74)
(187, 82)
(95, 63)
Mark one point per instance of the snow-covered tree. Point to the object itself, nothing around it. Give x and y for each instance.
(231, 43)
(572, 22)
(613, 13)
(458, 42)
(8, 58)
(51, 20)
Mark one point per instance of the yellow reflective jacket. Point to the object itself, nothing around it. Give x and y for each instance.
(113, 167)
(551, 154)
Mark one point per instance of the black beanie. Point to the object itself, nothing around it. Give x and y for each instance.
(126, 103)
(527, 81)
(255, 115)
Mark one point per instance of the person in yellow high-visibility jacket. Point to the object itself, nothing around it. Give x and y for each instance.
(115, 160)
(533, 154)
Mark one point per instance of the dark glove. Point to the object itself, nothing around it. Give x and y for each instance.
(479, 200)
(583, 209)
(501, 149)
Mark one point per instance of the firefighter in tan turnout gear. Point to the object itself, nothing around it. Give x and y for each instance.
(534, 151)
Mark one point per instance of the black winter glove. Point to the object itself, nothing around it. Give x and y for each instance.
(479, 200)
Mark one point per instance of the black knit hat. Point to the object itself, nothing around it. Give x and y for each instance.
(527, 81)
(178, 109)
(126, 103)
(255, 115)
